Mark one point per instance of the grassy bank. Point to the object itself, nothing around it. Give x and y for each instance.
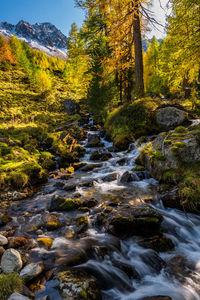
(33, 129)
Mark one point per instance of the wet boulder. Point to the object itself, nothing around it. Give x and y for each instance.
(130, 220)
(96, 155)
(31, 271)
(110, 177)
(142, 175)
(158, 243)
(104, 156)
(69, 187)
(128, 177)
(77, 284)
(11, 261)
(71, 107)
(93, 141)
(170, 117)
(121, 161)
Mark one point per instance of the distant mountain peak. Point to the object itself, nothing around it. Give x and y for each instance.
(43, 36)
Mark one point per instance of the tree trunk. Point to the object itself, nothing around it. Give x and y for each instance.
(139, 80)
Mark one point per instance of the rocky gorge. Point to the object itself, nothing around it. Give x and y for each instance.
(112, 224)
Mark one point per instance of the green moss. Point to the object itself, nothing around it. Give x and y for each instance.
(81, 220)
(158, 155)
(180, 129)
(5, 149)
(138, 168)
(133, 120)
(9, 284)
(168, 142)
(176, 146)
(70, 204)
(171, 176)
(150, 219)
(18, 179)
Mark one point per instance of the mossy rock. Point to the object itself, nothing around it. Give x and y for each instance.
(139, 169)
(78, 285)
(51, 222)
(70, 204)
(45, 242)
(134, 220)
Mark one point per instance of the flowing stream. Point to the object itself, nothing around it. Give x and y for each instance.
(175, 273)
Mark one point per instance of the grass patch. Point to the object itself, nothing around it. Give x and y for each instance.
(9, 284)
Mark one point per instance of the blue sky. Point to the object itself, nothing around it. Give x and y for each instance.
(61, 13)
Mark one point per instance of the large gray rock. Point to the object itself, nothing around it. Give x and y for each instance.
(11, 261)
(71, 107)
(165, 153)
(31, 271)
(170, 117)
(17, 296)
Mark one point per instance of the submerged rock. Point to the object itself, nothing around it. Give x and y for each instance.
(77, 285)
(11, 261)
(130, 220)
(110, 177)
(170, 117)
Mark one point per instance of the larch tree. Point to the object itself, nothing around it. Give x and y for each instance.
(122, 24)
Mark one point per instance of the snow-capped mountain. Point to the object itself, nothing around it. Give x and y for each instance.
(43, 36)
